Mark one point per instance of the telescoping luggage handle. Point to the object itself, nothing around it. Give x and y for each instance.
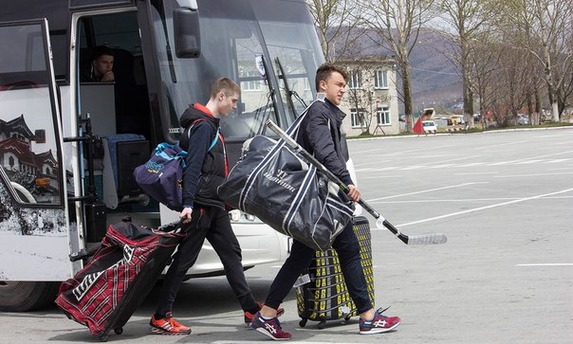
(422, 239)
(88, 252)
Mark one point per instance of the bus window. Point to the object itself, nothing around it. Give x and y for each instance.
(28, 109)
(118, 106)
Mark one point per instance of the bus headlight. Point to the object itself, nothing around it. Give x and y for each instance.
(238, 216)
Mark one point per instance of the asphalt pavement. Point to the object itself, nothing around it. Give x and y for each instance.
(505, 201)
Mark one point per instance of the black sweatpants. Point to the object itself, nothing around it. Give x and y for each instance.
(213, 224)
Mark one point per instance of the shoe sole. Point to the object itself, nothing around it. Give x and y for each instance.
(160, 331)
(266, 333)
(379, 330)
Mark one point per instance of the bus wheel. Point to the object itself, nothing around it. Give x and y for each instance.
(26, 296)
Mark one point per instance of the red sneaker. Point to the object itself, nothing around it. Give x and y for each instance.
(270, 328)
(249, 316)
(168, 326)
(379, 324)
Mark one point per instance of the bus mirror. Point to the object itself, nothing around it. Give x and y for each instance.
(40, 136)
(187, 35)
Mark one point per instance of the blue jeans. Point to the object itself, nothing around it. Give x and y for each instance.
(348, 249)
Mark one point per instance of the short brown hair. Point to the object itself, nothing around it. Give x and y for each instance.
(101, 50)
(325, 70)
(226, 86)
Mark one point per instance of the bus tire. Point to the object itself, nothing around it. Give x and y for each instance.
(26, 296)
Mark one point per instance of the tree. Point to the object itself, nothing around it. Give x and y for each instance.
(464, 21)
(338, 24)
(396, 25)
(548, 27)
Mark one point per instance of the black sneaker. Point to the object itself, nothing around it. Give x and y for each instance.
(270, 328)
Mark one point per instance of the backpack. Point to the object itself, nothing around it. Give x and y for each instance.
(161, 177)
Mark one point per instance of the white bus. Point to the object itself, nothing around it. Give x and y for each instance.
(68, 146)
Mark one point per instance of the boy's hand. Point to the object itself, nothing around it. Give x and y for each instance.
(353, 193)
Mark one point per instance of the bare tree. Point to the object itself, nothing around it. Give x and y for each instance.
(464, 21)
(548, 27)
(338, 23)
(485, 62)
(396, 24)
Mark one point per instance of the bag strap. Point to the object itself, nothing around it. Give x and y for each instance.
(213, 142)
(292, 131)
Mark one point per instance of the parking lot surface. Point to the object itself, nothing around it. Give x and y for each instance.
(505, 201)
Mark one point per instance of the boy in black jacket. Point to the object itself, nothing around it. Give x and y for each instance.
(204, 214)
(319, 133)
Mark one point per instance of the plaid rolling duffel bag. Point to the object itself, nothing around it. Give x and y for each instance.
(105, 293)
(326, 296)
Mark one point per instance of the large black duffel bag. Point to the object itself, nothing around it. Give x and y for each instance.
(278, 186)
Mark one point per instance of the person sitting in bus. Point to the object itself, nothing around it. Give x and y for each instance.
(101, 67)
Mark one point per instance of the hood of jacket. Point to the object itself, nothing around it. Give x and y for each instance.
(192, 114)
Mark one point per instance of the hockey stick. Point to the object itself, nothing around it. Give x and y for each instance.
(422, 239)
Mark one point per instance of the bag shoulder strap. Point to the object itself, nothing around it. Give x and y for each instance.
(213, 142)
(292, 131)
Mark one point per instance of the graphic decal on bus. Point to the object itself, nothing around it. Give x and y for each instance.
(35, 171)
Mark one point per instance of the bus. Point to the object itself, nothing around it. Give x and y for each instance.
(68, 145)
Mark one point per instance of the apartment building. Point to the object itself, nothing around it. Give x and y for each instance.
(371, 100)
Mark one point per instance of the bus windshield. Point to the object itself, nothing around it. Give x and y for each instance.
(261, 44)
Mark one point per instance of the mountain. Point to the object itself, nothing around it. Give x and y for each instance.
(435, 79)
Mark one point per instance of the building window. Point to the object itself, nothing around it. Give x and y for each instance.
(252, 85)
(383, 115)
(381, 79)
(357, 118)
(355, 79)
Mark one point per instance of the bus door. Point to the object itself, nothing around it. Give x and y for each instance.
(120, 115)
(33, 217)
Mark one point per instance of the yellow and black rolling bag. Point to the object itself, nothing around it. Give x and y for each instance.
(326, 296)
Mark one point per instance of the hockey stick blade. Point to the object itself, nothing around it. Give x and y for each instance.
(422, 239)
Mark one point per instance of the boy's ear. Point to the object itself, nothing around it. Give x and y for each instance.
(322, 85)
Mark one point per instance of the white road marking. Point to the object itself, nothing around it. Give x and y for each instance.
(547, 264)
(533, 175)
(424, 191)
(425, 201)
(474, 173)
(484, 208)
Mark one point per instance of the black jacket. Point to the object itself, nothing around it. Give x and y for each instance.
(319, 134)
(205, 169)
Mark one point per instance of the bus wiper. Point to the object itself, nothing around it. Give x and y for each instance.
(168, 47)
(263, 113)
(271, 98)
(290, 93)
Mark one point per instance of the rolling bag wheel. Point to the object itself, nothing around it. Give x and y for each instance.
(322, 324)
(302, 322)
(118, 330)
(347, 318)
